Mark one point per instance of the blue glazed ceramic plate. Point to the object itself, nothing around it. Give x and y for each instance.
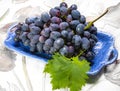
(104, 49)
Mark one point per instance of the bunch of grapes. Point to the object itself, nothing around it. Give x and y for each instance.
(61, 30)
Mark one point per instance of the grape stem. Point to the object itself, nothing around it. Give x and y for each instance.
(91, 23)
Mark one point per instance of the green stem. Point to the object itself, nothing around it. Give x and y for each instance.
(91, 23)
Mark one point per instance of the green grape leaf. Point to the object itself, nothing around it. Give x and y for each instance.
(67, 72)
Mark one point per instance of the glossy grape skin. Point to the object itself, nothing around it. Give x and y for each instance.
(45, 32)
(74, 23)
(89, 55)
(39, 47)
(54, 35)
(63, 11)
(85, 43)
(32, 48)
(75, 14)
(80, 29)
(93, 30)
(49, 42)
(94, 37)
(71, 51)
(64, 51)
(54, 12)
(87, 34)
(45, 17)
(46, 47)
(82, 19)
(35, 30)
(39, 23)
(64, 33)
(70, 35)
(58, 43)
(63, 25)
(92, 42)
(30, 35)
(23, 36)
(73, 7)
(63, 4)
(76, 40)
(30, 20)
(55, 19)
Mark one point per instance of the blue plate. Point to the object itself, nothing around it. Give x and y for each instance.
(104, 49)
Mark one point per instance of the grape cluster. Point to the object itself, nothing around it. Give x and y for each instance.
(61, 30)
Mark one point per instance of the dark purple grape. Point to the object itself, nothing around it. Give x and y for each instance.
(57, 7)
(35, 30)
(23, 36)
(64, 51)
(63, 4)
(32, 48)
(16, 39)
(87, 34)
(30, 35)
(45, 17)
(52, 50)
(73, 7)
(74, 23)
(54, 12)
(30, 20)
(54, 27)
(94, 37)
(54, 35)
(35, 39)
(80, 29)
(45, 32)
(55, 19)
(39, 23)
(49, 42)
(63, 11)
(46, 47)
(39, 47)
(76, 40)
(25, 27)
(64, 33)
(64, 25)
(42, 39)
(92, 42)
(75, 14)
(82, 58)
(18, 31)
(90, 55)
(69, 18)
(93, 30)
(70, 35)
(82, 19)
(85, 43)
(27, 42)
(71, 51)
(58, 43)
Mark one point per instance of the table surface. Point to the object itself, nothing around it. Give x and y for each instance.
(12, 74)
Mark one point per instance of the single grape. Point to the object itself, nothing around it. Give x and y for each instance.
(45, 17)
(69, 18)
(54, 27)
(30, 20)
(30, 35)
(64, 25)
(63, 11)
(54, 12)
(32, 48)
(93, 30)
(70, 35)
(58, 43)
(39, 22)
(90, 55)
(46, 47)
(57, 7)
(52, 50)
(54, 35)
(42, 39)
(87, 34)
(92, 42)
(71, 51)
(74, 23)
(49, 42)
(75, 14)
(64, 51)
(64, 33)
(39, 47)
(55, 19)
(45, 32)
(35, 39)
(25, 27)
(93, 36)
(23, 36)
(76, 40)
(73, 7)
(85, 43)
(35, 30)
(63, 4)
(80, 29)
(82, 19)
